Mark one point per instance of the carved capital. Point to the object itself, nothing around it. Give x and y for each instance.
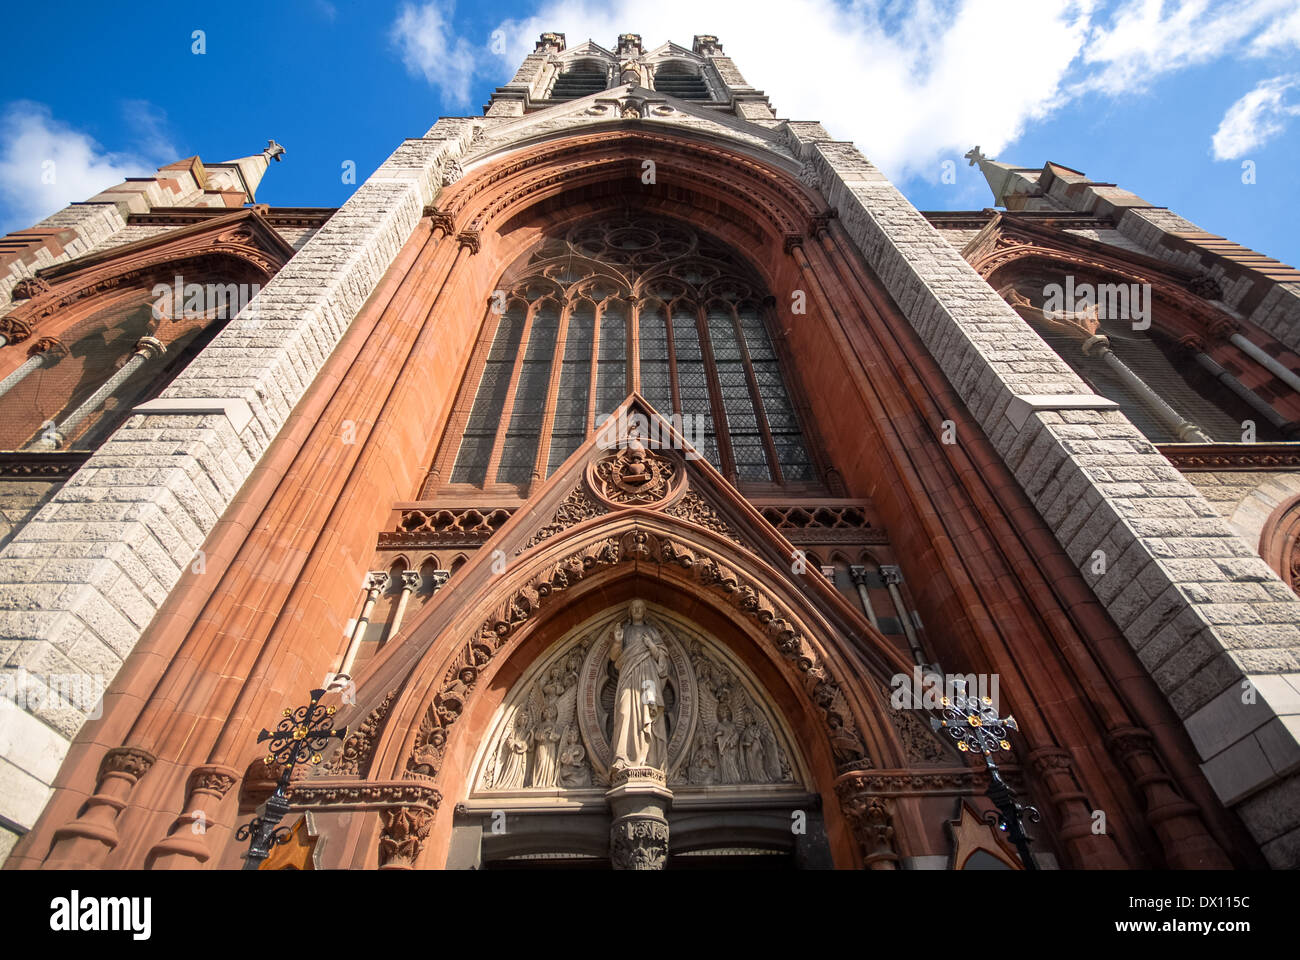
(52, 348)
(212, 779)
(151, 347)
(411, 580)
(469, 239)
(14, 331)
(891, 574)
(377, 581)
(793, 241)
(639, 843)
(872, 819)
(405, 830)
(130, 762)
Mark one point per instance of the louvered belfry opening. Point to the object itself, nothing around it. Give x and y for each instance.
(679, 81)
(626, 302)
(580, 80)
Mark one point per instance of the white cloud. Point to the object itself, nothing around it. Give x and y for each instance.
(1278, 35)
(1147, 38)
(909, 84)
(428, 46)
(1256, 118)
(46, 164)
(912, 83)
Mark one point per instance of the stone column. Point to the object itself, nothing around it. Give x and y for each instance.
(410, 580)
(893, 576)
(376, 583)
(1186, 431)
(1194, 346)
(186, 844)
(1264, 360)
(638, 835)
(45, 352)
(1176, 821)
(86, 842)
(859, 575)
(145, 350)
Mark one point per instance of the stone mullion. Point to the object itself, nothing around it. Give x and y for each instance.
(592, 373)
(633, 347)
(449, 447)
(791, 378)
(508, 404)
(726, 459)
(1113, 711)
(552, 392)
(760, 411)
(672, 363)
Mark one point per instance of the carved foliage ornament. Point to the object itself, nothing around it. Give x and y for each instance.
(404, 831)
(639, 843)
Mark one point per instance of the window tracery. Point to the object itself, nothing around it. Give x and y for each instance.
(624, 303)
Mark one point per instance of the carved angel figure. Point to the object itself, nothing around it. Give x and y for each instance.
(554, 698)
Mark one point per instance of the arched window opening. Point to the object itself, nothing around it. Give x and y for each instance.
(681, 80)
(630, 302)
(580, 79)
(1141, 368)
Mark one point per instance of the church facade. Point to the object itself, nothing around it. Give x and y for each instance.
(634, 471)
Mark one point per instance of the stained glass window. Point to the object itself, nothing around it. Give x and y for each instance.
(631, 299)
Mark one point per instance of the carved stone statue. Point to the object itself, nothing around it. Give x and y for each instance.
(640, 736)
(727, 738)
(514, 754)
(547, 739)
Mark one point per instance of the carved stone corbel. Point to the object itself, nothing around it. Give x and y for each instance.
(186, 842)
(405, 830)
(872, 820)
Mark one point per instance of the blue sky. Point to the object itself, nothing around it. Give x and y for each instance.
(1166, 99)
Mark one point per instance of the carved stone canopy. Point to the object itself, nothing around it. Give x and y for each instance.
(552, 735)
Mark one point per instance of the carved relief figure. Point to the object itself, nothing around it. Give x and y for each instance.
(514, 754)
(574, 771)
(547, 739)
(727, 739)
(640, 728)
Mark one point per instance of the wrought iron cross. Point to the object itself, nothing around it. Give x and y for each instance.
(300, 738)
(977, 728)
